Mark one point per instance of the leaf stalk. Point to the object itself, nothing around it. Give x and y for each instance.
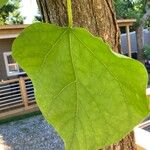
(69, 10)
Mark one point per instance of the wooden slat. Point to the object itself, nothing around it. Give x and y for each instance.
(23, 92)
(11, 88)
(145, 124)
(19, 111)
(8, 85)
(10, 103)
(28, 81)
(32, 102)
(32, 94)
(9, 81)
(12, 27)
(29, 88)
(10, 92)
(30, 98)
(10, 31)
(11, 99)
(10, 107)
(128, 40)
(26, 78)
(10, 96)
(125, 22)
(14, 80)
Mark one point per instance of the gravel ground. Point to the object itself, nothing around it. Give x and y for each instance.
(29, 134)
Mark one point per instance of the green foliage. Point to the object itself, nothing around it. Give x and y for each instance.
(3, 2)
(129, 9)
(91, 95)
(9, 13)
(124, 9)
(147, 52)
(37, 18)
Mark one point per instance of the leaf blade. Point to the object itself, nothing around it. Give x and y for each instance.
(80, 81)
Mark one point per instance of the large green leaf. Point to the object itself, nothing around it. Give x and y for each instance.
(3, 2)
(92, 96)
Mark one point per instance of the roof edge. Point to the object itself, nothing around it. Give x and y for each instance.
(11, 27)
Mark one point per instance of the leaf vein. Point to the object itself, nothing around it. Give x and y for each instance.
(51, 49)
(116, 79)
(106, 67)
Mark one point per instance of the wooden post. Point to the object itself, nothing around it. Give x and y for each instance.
(139, 148)
(127, 23)
(23, 92)
(128, 40)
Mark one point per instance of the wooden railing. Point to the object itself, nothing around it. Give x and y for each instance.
(16, 96)
(127, 23)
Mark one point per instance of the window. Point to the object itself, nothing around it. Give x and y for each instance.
(12, 68)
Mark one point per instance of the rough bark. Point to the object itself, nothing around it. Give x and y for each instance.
(127, 143)
(99, 18)
(140, 43)
(95, 15)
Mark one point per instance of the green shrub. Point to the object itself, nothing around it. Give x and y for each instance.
(147, 51)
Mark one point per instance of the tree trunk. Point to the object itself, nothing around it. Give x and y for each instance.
(128, 143)
(99, 18)
(139, 31)
(140, 43)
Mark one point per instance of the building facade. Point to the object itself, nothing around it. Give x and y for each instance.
(8, 67)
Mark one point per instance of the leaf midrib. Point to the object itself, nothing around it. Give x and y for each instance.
(75, 79)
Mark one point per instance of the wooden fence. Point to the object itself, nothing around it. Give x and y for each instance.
(16, 97)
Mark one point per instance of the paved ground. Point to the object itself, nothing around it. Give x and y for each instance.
(29, 134)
